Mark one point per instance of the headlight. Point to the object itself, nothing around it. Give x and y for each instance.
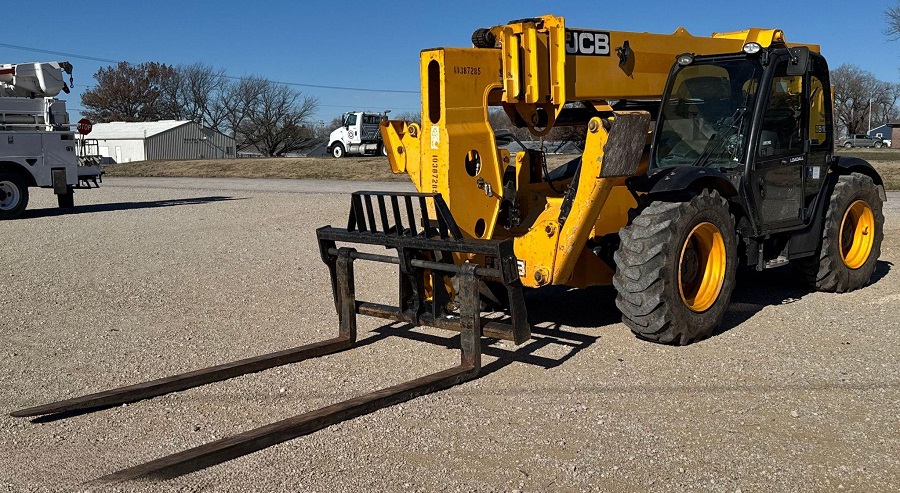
(685, 59)
(752, 48)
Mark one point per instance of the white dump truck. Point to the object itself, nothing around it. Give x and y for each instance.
(37, 144)
(358, 134)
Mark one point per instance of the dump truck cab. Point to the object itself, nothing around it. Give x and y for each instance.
(358, 134)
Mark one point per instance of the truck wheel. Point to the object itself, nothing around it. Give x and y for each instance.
(13, 195)
(878, 145)
(851, 237)
(849, 145)
(383, 150)
(66, 200)
(676, 267)
(338, 150)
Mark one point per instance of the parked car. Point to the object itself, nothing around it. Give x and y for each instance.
(861, 140)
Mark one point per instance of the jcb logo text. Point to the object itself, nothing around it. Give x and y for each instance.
(587, 43)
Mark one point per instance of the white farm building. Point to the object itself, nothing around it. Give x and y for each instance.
(125, 142)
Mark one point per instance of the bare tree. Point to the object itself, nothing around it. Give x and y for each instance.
(576, 134)
(199, 91)
(237, 99)
(499, 120)
(131, 93)
(271, 117)
(408, 116)
(885, 108)
(855, 91)
(892, 31)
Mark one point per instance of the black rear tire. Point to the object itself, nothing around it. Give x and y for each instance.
(659, 260)
(66, 200)
(13, 195)
(833, 268)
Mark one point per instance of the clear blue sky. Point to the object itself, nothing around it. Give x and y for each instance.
(376, 44)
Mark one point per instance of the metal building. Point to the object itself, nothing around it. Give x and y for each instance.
(125, 142)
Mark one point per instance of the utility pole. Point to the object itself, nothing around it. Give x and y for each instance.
(870, 116)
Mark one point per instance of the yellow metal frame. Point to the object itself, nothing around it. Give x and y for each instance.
(532, 76)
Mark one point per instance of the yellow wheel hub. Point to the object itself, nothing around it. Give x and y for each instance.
(857, 234)
(701, 267)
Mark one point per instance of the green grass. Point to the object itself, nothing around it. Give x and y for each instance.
(351, 168)
(886, 161)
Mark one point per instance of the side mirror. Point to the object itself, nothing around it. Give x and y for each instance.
(799, 61)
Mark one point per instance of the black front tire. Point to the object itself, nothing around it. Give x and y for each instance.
(828, 270)
(13, 195)
(382, 149)
(338, 151)
(650, 262)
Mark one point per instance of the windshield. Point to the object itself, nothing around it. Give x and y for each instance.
(702, 122)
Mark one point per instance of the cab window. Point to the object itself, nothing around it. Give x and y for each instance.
(351, 120)
(782, 132)
(817, 123)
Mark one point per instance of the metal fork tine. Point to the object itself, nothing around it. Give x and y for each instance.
(383, 210)
(410, 215)
(358, 212)
(426, 221)
(398, 219)
(351, 221)
(442, 225)
(370, 213)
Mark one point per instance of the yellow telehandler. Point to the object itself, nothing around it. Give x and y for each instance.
(738, 170)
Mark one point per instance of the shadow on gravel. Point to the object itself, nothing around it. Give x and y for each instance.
(570, 342)
(552, 308)
(122, 206)
(781, 286)
(559, 306)
(563, 306)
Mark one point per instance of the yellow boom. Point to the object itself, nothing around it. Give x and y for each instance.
(534, 69)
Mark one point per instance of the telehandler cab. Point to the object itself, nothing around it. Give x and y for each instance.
(739, 170)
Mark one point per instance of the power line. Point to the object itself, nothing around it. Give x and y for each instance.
(50, 52)
(357, 106)
(298, 84)
(339, 88)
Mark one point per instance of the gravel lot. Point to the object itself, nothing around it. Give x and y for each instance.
(149, 277)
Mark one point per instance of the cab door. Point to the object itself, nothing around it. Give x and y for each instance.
(776, 179)
(821, 130)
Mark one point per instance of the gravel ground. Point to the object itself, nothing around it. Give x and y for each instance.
(149, 277)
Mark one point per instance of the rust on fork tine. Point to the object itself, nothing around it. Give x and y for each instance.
(425, 260)
(223, 450)
(196, 378)
(184, 381)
